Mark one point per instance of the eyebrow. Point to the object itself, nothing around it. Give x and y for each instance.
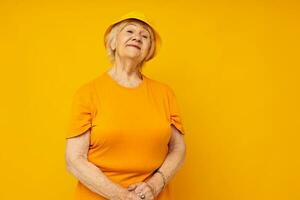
(131, 23)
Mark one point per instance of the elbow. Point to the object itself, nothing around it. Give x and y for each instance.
(179, 147)
(182, 146)
(70, 162)
(183, 150)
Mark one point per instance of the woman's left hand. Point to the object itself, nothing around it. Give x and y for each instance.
(142, 187)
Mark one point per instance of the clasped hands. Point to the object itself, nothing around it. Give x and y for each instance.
(142, 188)
(135, 191)
(146, 190)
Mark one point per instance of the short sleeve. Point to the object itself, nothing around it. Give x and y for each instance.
(81, 112)
(174, 111)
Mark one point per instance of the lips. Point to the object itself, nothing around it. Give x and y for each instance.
(132, 45)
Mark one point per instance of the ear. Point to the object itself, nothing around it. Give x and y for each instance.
(113, 44)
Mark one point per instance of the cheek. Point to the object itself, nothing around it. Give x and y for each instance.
(121, 40)
(120, 45)
(147, 46)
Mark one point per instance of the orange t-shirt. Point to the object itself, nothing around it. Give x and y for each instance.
(130, 129)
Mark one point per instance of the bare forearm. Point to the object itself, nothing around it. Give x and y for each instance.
(172, 163)
(93, 178)
(170, 166)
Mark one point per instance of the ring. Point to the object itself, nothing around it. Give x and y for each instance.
(142, 196)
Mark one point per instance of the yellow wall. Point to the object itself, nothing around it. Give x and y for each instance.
(233, 64)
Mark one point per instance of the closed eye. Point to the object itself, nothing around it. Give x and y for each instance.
(130, 31)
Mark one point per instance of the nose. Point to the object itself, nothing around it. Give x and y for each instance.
(137, 38)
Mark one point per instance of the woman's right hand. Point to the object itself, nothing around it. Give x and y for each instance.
(132, 196)
(126, 195)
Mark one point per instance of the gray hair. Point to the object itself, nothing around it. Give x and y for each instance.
(112, 33)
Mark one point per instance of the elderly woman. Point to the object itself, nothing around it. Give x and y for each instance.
(125, 140)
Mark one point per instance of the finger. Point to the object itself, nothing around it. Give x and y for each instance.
(147, 193)
(133, 196)
(144, 188)
(151, 188)
(133, 186)
(140, 187)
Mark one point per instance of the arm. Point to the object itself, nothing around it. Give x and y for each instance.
(172, 163)
(86, 172)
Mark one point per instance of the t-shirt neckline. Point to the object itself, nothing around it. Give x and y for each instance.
(123, 87)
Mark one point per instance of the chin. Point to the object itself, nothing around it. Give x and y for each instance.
(132, 55)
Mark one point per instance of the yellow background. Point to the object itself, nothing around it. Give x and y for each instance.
(233, 64)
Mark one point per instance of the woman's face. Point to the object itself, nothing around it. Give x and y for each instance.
(133, 41)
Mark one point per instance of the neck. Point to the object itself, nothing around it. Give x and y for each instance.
(126, 69)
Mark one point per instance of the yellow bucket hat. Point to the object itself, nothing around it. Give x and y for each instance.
(142, 17)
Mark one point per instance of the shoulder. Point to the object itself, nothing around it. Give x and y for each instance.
(84, 88)
(160, 85)
(91, 84)
(163, 89)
